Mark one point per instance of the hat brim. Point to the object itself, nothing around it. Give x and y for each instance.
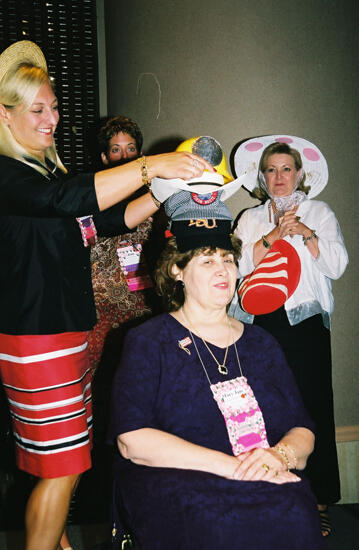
(248, 155)
(191, 236)
(23, 51)
(207, 183)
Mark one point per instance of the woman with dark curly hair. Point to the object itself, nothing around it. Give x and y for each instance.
(121, 295)
(209, 423)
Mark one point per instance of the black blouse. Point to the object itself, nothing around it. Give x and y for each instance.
(45, 271)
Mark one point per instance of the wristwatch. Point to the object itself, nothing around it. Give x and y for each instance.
(266, 244)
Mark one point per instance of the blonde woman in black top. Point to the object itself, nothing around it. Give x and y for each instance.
(45, 282)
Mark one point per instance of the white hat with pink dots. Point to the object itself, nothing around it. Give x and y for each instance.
(248, 155)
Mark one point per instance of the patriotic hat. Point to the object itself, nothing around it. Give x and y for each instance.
(198, 220)
(196, 209)
(272, 282)
(208, 148)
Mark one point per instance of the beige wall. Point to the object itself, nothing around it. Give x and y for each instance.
(240, 68)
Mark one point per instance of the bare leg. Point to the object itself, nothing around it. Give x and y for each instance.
(46, 512)
(64, 542)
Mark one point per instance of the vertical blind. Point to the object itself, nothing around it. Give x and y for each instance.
(66, 32)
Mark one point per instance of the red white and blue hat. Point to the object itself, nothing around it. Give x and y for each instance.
(198, 215)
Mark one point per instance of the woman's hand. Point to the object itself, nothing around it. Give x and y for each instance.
(289, 224)
(177, 165)
(263, 465)
(115, 184)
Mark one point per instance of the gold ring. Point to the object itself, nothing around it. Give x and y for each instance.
(276, 473)
(265, 467)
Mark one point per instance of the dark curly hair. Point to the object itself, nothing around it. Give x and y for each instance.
(114, 126)
(168, 288)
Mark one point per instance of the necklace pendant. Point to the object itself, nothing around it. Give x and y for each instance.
(222, 369)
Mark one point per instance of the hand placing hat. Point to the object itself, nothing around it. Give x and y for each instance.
(198, 215)
(209, 149)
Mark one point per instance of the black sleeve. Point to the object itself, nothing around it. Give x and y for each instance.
(26, 192)
(111, 222)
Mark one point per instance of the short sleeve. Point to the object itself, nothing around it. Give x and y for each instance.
(136, 384)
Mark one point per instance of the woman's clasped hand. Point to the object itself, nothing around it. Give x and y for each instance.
(290, 224)
(263, 465)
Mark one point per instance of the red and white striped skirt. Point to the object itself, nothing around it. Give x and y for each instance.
(47, 380)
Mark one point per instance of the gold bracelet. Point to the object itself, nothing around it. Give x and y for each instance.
(144, 173)
(146, 182)
(283, 454)
(294, 456)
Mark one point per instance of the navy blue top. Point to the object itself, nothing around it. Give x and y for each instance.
(159, 385)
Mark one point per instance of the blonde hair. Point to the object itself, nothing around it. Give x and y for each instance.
(19, 87)
(275, 149)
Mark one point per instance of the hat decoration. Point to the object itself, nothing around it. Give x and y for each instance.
(272, 282)
(21, 52)
(249, 153)
(198, 215)
(208, 148)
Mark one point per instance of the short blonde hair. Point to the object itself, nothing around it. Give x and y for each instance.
(278, 148)
(19, 87)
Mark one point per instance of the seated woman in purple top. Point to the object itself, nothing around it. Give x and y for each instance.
(211, 430)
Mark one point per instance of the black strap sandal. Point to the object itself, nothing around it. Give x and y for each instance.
(325, 523)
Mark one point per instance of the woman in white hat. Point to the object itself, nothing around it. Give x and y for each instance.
(45, 282)
(285, 173)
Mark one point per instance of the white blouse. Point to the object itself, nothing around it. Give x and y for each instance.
(313, 294)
